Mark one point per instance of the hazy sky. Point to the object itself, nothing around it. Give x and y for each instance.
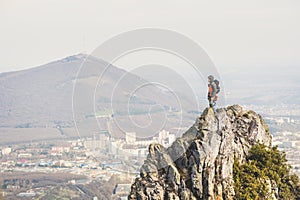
(235, 34)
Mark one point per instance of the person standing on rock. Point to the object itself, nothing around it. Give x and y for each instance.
(213, 90)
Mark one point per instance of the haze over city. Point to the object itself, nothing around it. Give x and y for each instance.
(87, 113)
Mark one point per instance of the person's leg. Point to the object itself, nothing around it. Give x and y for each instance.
(214, 103)
(211, 102)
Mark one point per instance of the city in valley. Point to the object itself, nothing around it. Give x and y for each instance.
(96, 167)
(102, 167)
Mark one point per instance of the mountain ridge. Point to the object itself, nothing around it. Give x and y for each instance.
(42, 97)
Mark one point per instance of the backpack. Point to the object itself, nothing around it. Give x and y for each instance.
(217, 86)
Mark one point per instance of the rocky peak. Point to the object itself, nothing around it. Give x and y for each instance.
(199, 165)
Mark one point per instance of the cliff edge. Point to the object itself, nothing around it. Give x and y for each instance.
(199, 165)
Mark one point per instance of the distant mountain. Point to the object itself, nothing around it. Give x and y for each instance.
(263, 86)
(41, 97)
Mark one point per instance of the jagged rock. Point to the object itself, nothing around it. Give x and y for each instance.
(199, 165)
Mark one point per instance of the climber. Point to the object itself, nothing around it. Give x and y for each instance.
(213, 90)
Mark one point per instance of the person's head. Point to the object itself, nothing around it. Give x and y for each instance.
(210, 78)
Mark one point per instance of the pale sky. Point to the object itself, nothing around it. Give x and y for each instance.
(234, 33)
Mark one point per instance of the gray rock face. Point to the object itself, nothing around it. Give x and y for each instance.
(199, 165)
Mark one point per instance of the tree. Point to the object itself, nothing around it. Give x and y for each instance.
(265, 170)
